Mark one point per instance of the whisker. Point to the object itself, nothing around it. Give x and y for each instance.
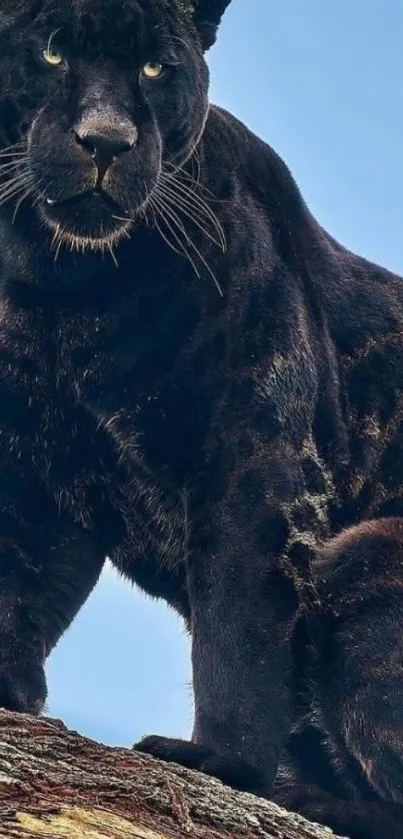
(13, 154)
(186, 212)
(17, 157)
(55, 235)
(57, 241)
(196, 200)
(61, 234)
(114, 259)
(161, 232)
(191, 194)
(15, 177)
(176, 180)
(41, 194)
(14, 147)
(173, 215)
(15, 188)
(196, 213)
(20, 176)
(183, 250)
(9, 167)
(180, 174)
(177, 222)
(170, 190)
(57, 251)
(19, 202)
(196, 159)
(12, 194)
(181, 41)
(14, 164)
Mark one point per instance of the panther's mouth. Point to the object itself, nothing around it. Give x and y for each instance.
(89, 220)
(96, 194)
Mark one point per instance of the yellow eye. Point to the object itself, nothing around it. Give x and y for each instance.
(52, 57)
(152, 70)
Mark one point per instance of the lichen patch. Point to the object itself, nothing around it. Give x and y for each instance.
(75, 823)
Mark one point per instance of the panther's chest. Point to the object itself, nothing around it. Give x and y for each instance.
(141, 395)
(92, 354)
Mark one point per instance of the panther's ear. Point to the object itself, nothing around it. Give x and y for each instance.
(207, 15)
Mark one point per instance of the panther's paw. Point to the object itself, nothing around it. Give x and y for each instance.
(235, 773)
(22, 686)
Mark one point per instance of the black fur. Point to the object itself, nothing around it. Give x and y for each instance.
(342, 762)
(199, 382)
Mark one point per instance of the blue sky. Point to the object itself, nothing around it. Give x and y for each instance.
(321, 82)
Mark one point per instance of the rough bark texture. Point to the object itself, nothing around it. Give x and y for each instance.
(59, 785)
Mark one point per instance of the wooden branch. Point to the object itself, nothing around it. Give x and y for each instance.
(55, 784)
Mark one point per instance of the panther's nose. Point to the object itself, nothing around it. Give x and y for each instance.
(105, 141)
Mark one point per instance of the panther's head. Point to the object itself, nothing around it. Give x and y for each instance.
(100, 100)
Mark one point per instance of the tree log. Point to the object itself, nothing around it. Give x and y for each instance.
(55, 784)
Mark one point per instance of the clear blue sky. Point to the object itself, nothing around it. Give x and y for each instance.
(322, 82)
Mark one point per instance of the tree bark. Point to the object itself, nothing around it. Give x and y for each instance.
(55, 784)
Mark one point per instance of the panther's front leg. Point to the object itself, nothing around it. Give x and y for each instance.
(244, 603)
(243, 611)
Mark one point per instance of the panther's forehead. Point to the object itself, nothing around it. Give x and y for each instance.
(99, 23)
(114, 11)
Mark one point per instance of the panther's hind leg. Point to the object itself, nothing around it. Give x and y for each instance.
(360, 666)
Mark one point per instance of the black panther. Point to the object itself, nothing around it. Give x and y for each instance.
(200, 383)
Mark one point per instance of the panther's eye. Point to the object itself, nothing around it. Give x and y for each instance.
(152, 70)
(52, 56)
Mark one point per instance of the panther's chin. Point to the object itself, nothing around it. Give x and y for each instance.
(89, 221)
